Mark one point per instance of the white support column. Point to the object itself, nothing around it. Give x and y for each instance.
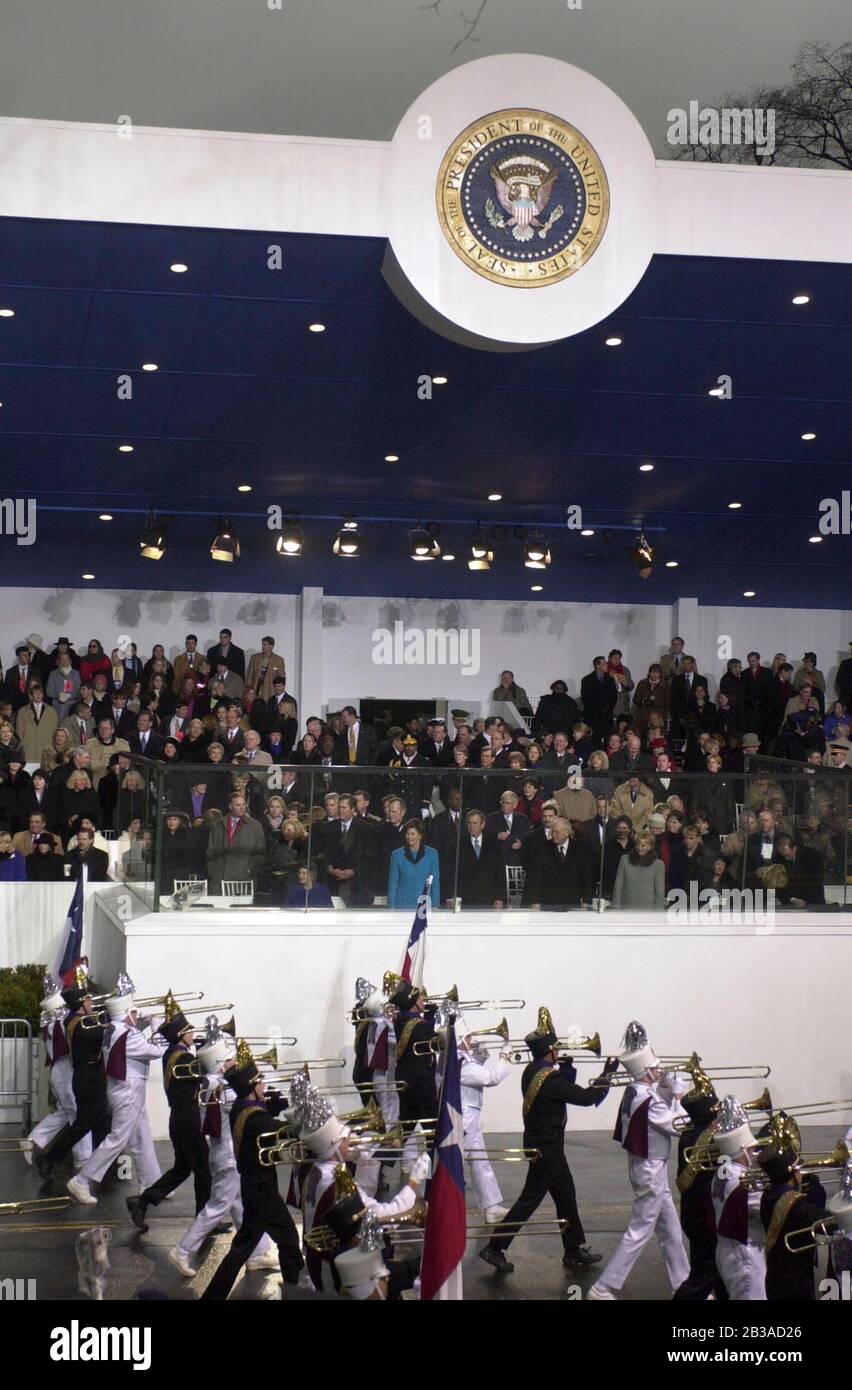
(309, 654)
(685, 624)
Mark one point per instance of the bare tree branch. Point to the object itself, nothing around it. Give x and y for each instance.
(470, 35)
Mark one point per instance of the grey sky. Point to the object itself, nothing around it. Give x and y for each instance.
(351, 67)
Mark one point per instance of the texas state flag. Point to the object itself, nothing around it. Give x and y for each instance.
(446, 1222)
(414, 957)
(71, 948)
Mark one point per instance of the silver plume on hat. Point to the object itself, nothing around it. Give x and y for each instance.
(372, 1235)
(299, 1088)
(635, 1037)
(363, 990)
(124, 985)
(445, 1014)
(846, 1181)
(731, 1115)
(211, 1027)
(49, 985)
(315, 1110)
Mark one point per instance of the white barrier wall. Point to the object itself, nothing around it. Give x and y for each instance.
(539, 641)
(733, 994)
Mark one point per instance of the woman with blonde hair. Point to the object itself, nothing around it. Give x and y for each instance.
(640, 881)
(11, 747)
(58, 752)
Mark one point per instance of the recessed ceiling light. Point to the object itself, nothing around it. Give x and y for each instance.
(244, 487)
(7, 313)
(716, 391)
(613, 342)
(801, 299)
(748, 593)
(587, 532)
(672, 564)
(646, 468)
(815, 540)
(316, 327)
(178, 267)
(105, 516)
(150, 367)
(734, 506)
(125, 448)
(391, 458)
(536, 588)
(448, 557)
(495, 497)
(87, 576)
(440, 380)
(810, 435)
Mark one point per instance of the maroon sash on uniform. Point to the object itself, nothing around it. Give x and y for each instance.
(377, 1058)
(212, 1123)
(116, 1066)
(60, 1043)
(733, 1221)
(635, 1141)
(314, 1259)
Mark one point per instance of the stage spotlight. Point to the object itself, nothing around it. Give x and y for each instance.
(481, 554)
(536, 552)
(423, 544)
(642, 555)
(226, 543)
(347, 541)
(152, 542)
(291, 541)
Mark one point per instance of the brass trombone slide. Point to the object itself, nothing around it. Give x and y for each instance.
(763, 1102)
(31, 1205)
(437, 1044)
(519, 1053)
(819, 1234)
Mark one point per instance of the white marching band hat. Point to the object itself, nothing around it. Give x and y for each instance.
(638, 1055)
(212, 1054)
(840, 1205)
(321, 1129)
(733, 1131)
(121, 1000)
(363, 1267)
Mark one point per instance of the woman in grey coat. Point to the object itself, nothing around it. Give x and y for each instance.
(640, 882)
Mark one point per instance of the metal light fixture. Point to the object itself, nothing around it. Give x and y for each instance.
(347, 542)
(423, 543)
(642, 555)
(226, 543)
(291, 541)
(536, 552)
(152, 542)
(481, 554)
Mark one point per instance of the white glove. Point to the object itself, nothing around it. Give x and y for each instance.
(420, 1169)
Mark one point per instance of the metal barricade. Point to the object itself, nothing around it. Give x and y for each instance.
(16, 1068)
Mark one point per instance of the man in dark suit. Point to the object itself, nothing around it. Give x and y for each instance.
(436, 747)
(631, 759)
(144, 740)
(233, 740)
(17, 677)
(483, 740)
(357, 745)
(556, 711)
(233, 657)
(484, 789)
(762, 845)
(509, 828)
(599, 693)
(123, 718)
(560, 756)
(757, 699)
(95, 861)
(348, 856)
(389, 835)
(560, 875)
(442, 833)
(482, 877)
(683, 693)
(804, 871)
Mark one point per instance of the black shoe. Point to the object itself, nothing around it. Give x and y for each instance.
(581, 1257)
(496, 1259)
(136, 1207)
(223, 1229)
(43, 1164)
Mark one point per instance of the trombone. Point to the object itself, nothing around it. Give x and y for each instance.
(452, 994)
(704, 1158)
(31, 1205)
(437, 1044)
(154, 999)
(258, 1037)
(819, 1234)
(681, 1123)
(520, 1054)
(756, 1072)
(756, 1179)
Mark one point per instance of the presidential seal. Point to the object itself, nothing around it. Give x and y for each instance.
(522, 198)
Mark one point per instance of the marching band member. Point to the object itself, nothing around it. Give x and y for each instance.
(419, 1101)
(362, 1271)
(549, 1087)
(325, 1136)
(375, 1049)
(478, 1072)
(695, 1186)
(128, 1052)
(58, 1058)
(791, 1200)
(343, 1220)
(190, 1146)
(644, 1129)
(739, 1246)
(88, 1079)
(840, 1207)
(217, 1061)
(264, 1209)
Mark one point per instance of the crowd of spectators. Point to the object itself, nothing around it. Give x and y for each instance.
(490, 811)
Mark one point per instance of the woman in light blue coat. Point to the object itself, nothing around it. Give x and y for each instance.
(409, 869)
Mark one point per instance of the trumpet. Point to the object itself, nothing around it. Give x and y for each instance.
(520, 1054)
(820, 1233)
(437, 1044)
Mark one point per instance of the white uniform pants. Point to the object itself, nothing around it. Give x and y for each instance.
(129, 1133)
(742, 1269)
(653, 1213)
(223, 1203)
(64, 1114)
(483, 1179)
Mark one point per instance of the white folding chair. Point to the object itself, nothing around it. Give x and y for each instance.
(515, 877)
(238, 889)
(194, 881)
